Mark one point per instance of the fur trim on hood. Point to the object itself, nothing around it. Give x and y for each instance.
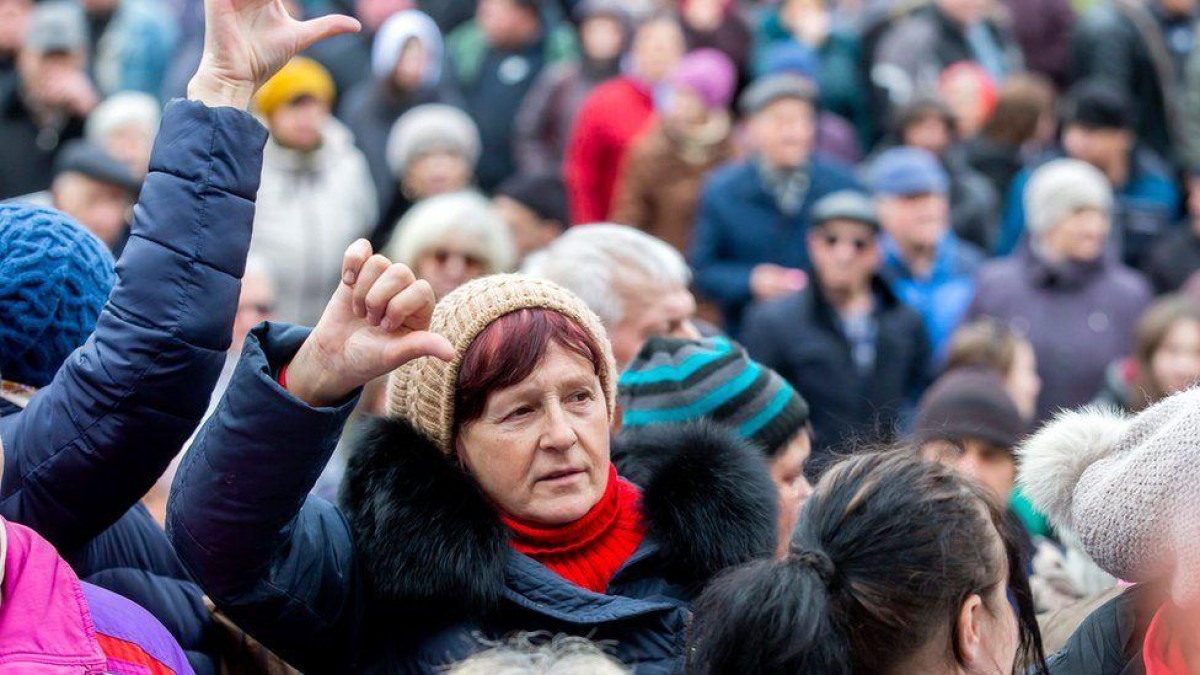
(428, 535)
(1053, 460)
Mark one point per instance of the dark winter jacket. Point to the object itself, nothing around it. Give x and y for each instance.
(415, 566)
(801, 338)
(1079, 317)
(1110, 641)
(1042, 28)
(92, 442)
(29, 151)
(1173, 259)
(1118, 389)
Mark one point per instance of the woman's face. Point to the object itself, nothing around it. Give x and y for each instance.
(450, 264)
(1080, 237)
(602, 38)
(540, 449)
(1023, 384)
(787, 471)
(437, 173)
(409, 73)
(992, 467)
(1175, 365)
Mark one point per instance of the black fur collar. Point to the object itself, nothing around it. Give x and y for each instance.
(427, 534)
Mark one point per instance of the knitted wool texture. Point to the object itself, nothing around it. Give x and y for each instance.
(422, 391)
(55, 277)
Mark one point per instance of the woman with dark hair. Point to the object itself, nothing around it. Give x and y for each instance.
(897, 565)
(1165, 359)
(484, 505)
(1021, 124)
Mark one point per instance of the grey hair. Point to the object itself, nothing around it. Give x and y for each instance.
(120, 109)
(466, 212)
(534, 654)
(601, 262)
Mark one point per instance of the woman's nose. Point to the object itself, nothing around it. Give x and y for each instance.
(558, 433)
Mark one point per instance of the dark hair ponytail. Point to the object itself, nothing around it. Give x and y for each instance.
(886, 550)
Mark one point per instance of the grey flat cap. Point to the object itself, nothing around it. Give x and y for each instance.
(92, 161)
(846, 205)
(766, 90)
(58, 26)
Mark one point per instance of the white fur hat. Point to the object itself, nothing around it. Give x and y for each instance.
(1127, 487)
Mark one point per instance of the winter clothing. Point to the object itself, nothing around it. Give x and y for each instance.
(1079, 317)
(732, 37)
(57, 26)
(422, 391)
(87, 158)
(1174, 258)
(658, 190)
(548, 114)
(543, 194)
(431, 128)
(1112, 639)
(1094, 104)
(51, 622)
(395, 34)
(1118, 390)
(134, 48)
(905, 171)
(674, 380)
(803, 338)
(466, 214)
(118, 110)
(1042, 29)
(494, 83)
(609, 121)
(301, 77)
(740, 225)
(92, 442)
(771, 88)
(311, 206)
(55, 277)
(36, 143)
(846, 205)
(418, 564)
(709, 74)
(1061, 187)
(968, 403)
(996, 162)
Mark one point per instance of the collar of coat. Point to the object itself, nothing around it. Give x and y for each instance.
(427, 534)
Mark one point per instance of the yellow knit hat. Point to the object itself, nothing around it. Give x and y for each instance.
(422, 391)
(300, 77)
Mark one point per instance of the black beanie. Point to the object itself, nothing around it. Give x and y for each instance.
(969, 403)
(1097, 104)
(544, 194)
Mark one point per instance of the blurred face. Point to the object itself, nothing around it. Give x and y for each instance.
(256, 304)
(100, 207)
(41, 71)
(540, 449)
(437, 173)
(962, 93)
(372, 13)
(298, 124)
(14, 21)
(412, 66)
(1099, 147)
(505, 23)
(1080, 237)
(530, 233)
(657, 47)
(993, 468)
(915, 220)
(1175, 365)
(704, 15)
(1023, 384)
(450, 265)
(844, 255)
(686, 110)
(784, 133)
(130, 145)
(602, 38)
(929, 133)
(1178, 7)
(787, 470)
(964, 12)
(652, 310)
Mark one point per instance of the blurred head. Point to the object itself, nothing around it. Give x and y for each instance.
(602, 37)
(535, 208)
(297, 103)
(1024, 112)
(704, 16)
(451, 239)
(896, 565)
(407, 52)
(1097, 124)
(964, 12)
(508, 23)
(14, 22)
(697, 89)
(432, 149)
(54, 49)
(1167, 349)
(256, 303)
(967, 421)
(373, 13)
(927, 124)
(125, 125)
(989, 344)
(970, 94)
(635, 283)
(782, 119)
(101, 207)
(1067, 207)
(843, 242)
(531, 654)
(657, 46)
(910, 189)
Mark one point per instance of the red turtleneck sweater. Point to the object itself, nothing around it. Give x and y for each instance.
(589, 551)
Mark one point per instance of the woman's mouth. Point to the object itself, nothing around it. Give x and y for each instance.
(561, 476)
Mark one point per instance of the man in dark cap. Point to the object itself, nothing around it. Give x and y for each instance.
(97, 190)
(535, 208)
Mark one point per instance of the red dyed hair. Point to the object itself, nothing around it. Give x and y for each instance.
(508, 351)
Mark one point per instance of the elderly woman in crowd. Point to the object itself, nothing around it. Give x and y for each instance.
(125, 125)
(451, 239)
(1073, 299)
(485, 504)
(431, 150)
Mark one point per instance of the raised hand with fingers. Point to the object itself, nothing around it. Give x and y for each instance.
(377, 320)
(247, 41)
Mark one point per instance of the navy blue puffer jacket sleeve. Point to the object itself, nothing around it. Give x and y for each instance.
(93, 441)
(282, 564)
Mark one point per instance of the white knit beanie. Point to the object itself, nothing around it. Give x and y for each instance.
(429, 128)
(1061, 187)
(120, 109)
(394, 35)
(1126, 487)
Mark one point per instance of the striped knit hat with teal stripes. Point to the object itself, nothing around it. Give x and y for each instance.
(676, 380)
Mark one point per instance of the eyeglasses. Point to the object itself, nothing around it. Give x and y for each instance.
(860, 244)
(443, 256)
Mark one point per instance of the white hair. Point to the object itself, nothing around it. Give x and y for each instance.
(466, 213)
(601, 263)
(531, 654)
(120, 109)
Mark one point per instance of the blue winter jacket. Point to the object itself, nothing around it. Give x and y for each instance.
(89, 445)
(739, 226)
(415, 567)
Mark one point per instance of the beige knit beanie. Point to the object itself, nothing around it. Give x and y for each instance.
(422, 391)
(1126, 487)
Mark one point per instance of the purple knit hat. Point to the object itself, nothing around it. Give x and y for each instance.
(709, 73)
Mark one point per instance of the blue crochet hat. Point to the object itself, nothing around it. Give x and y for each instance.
(55, 277)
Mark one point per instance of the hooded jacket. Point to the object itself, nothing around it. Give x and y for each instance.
(415, 567)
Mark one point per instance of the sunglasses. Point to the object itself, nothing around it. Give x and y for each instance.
(443, 256)
(860, 244)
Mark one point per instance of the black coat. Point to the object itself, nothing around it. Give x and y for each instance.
(1173, 259)
(27, 151)
(801, 338)
(415, 566)
(1110, 640)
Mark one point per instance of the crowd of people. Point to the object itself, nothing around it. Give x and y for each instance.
(599, 336)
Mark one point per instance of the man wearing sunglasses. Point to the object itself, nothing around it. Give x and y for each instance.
(857, 354)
